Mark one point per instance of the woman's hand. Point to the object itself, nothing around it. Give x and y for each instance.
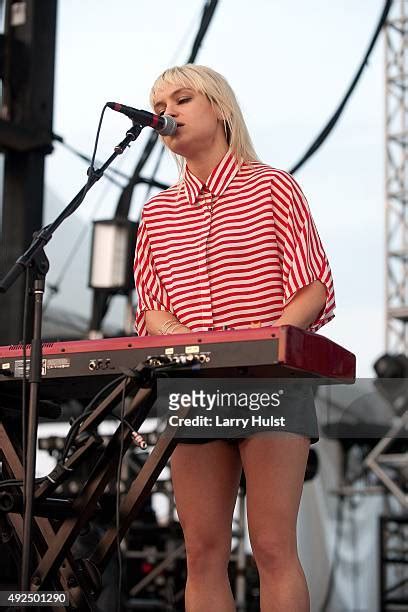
(163, 322)
(305, 306)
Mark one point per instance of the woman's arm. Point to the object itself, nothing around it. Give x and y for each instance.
(163, 322)
(301, 311)
(304, 307)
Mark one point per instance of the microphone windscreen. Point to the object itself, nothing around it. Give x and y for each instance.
(170, 126)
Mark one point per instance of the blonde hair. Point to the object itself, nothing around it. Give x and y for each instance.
(213, 85)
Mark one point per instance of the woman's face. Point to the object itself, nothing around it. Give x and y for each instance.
(198, 126)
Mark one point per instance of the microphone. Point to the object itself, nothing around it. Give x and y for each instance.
(164, 124)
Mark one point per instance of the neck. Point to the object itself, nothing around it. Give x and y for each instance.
(202, 164)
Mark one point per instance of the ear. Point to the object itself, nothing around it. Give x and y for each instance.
(220, 114)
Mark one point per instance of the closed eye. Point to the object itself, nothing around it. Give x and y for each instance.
(179, 101)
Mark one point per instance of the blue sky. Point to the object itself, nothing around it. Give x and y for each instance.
(289, 62)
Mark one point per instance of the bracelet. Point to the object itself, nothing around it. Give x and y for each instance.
(167, 325)
(171, 328)
(164, 326)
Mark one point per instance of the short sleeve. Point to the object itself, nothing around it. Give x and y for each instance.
(151, 295)
(302, 256)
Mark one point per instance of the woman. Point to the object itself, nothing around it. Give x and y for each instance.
(231, 245)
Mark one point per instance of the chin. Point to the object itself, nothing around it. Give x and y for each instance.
(179, 149)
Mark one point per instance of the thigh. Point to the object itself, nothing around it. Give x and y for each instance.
(205, 480)
(274, 466)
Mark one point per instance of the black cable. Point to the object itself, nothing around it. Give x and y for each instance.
(336, 116)
(75, 425)
(92, 175)
(87, 160)
(111, 170)
(91, 169)
(208, 13)
(126, 422)
(15, 482)
(89, 407)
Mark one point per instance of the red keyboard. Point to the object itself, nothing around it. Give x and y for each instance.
(79, 368)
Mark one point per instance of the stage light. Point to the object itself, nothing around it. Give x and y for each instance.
(112, 252)
(392, 380)
(391, 366)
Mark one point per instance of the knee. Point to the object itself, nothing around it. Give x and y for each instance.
(273, 553)
(206, 553)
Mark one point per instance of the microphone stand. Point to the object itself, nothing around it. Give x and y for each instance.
(35, 261)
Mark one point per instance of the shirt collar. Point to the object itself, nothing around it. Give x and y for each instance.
(216, 183)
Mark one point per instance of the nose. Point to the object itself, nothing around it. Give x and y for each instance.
(171, 109)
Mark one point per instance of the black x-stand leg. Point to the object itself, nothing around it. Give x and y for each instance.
(44, 532)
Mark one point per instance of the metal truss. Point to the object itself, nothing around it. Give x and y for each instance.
(393, 562)
(396, 183)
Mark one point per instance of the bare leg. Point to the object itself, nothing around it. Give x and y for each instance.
(274, 469)
(205, 480)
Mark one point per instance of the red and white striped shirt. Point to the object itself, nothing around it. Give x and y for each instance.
(231, 252)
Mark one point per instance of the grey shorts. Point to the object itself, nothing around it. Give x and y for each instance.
(300, 416)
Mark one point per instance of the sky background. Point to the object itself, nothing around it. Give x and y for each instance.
(289, 62)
